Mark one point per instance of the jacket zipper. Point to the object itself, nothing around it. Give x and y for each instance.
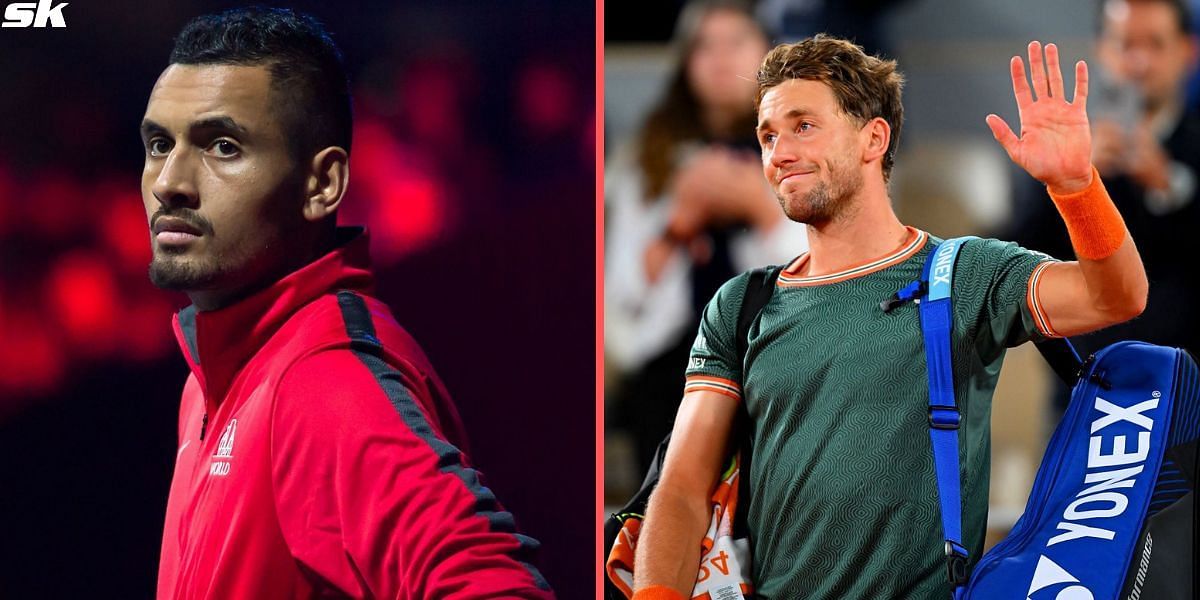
(203, 426)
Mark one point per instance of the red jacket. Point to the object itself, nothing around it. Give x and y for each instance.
(318, 457)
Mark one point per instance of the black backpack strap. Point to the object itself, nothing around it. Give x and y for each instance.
(758, 293)
(1061, 356)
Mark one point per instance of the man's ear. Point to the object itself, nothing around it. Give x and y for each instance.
(876, 135)
(325, 183)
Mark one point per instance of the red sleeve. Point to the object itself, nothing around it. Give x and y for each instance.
(372, 499)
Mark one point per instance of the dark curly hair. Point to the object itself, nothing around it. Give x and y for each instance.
(308, 79)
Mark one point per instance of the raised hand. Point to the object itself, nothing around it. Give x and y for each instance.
(1055, 145)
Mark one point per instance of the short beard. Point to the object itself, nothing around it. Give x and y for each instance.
(825, 202)
(171, 272)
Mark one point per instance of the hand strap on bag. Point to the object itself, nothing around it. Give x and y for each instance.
(937, 321)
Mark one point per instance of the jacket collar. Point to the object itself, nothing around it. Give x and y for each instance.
(218, 343)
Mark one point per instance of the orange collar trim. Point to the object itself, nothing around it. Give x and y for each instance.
(901, 254)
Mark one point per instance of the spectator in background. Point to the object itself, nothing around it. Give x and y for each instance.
(1193, 85)
(861, 21)
(687, 209)
(1146, 145)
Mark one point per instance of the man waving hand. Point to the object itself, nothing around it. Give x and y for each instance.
(842, 494)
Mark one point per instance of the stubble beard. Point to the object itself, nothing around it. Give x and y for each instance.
(173, 270)
(826, 201)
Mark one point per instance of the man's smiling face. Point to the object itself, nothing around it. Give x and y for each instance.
(811, 150)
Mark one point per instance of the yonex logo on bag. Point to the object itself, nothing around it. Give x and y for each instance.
(942, 270)
(37, 15)
(1103, 500)
(1049, 574)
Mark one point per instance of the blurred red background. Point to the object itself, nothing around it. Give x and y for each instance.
(473, 166)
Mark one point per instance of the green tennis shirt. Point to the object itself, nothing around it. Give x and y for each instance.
(843, 498)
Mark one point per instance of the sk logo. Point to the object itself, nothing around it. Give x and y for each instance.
(1048, 574)
(29, 14)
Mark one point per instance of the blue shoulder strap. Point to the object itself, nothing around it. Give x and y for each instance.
(937, 322)
(933, 293)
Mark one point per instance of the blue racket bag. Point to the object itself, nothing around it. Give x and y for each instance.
(1113, 512)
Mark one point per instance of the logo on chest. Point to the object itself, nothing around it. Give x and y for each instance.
(219, 467)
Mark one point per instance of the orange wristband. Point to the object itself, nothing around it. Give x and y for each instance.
(1093, 221)
(657, 592)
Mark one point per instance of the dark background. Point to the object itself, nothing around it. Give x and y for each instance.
(640, 22)
(473, 166)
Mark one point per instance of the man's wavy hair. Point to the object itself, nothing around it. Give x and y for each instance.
(865, 86)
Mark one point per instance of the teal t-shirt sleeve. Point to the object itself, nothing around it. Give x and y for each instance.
(999, 279)
(713, 364)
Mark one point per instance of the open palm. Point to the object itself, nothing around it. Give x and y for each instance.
(1055, 145)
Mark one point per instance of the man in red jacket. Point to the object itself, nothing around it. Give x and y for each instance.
(318, 450)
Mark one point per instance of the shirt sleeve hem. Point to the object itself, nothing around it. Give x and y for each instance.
(706, 383)
(1040, 319)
